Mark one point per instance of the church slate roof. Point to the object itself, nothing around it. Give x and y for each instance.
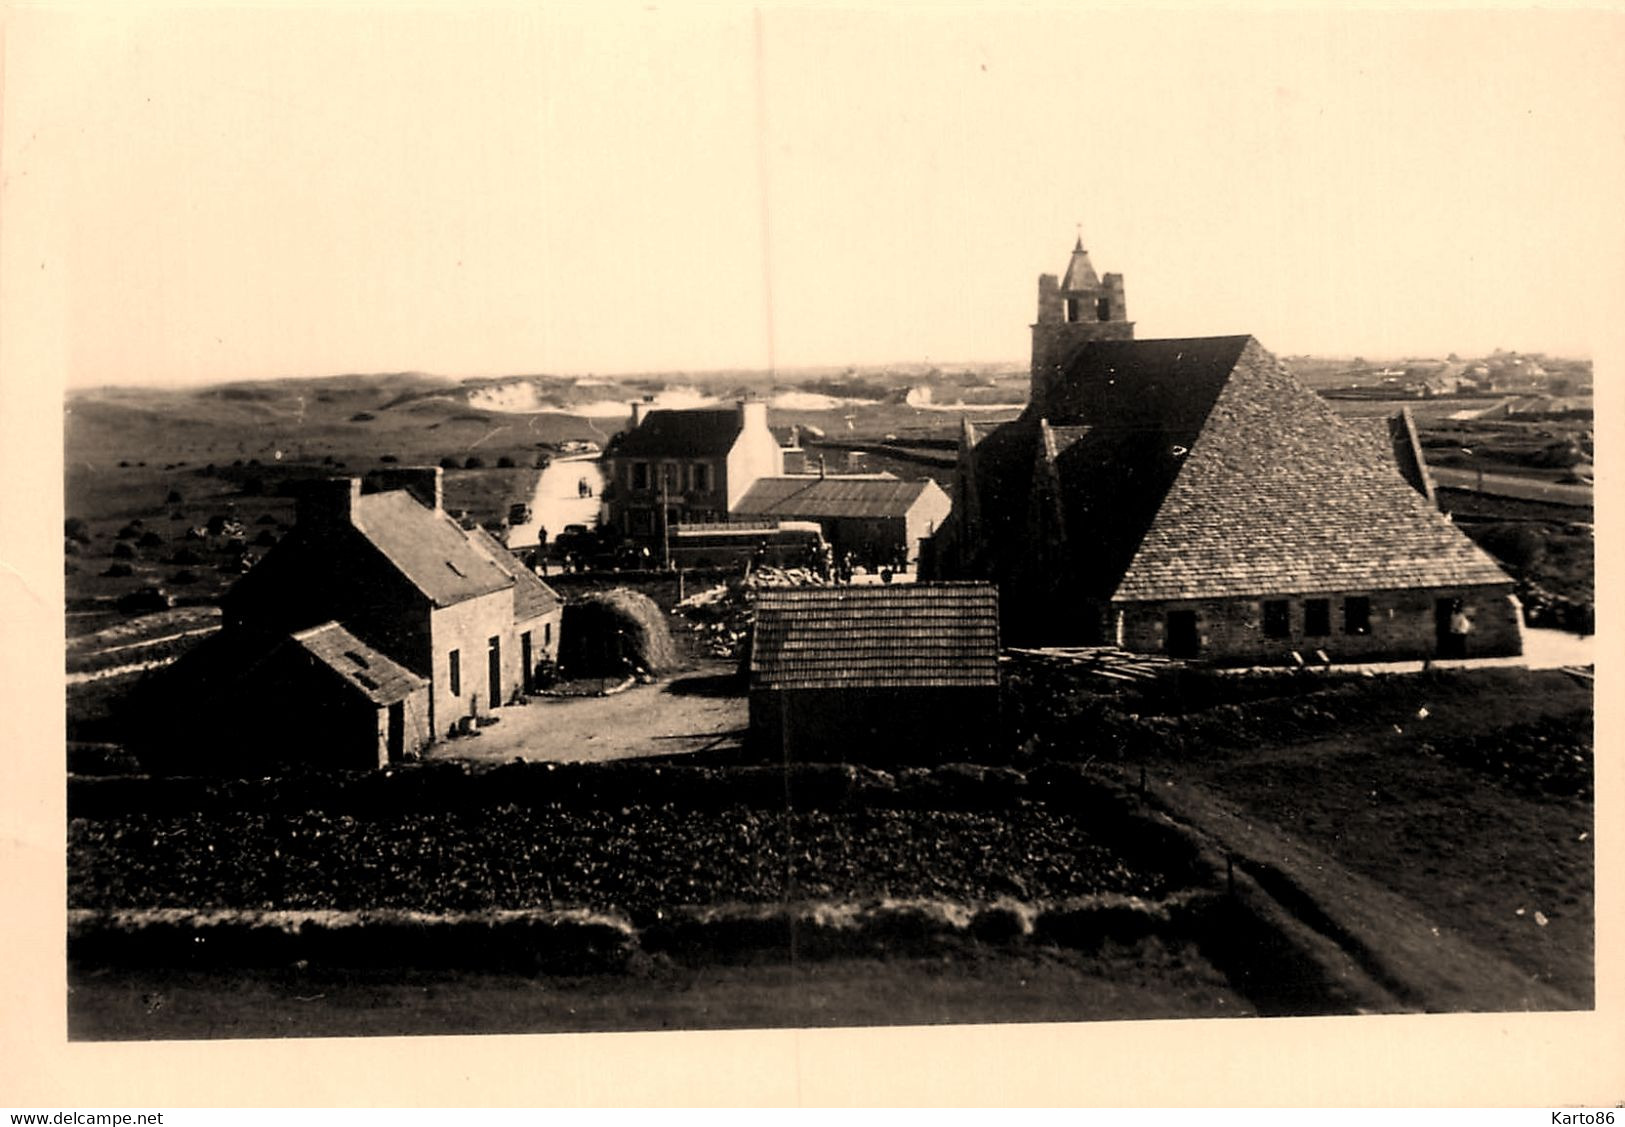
(940, 635)
(697, 433)
(1277, 495)
(1199, 468)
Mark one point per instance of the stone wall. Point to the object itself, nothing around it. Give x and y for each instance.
(1402, 626)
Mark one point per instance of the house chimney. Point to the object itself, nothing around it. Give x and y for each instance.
(752, 413)
(640, 410)
(820, 467)
(424, 483)
(327, 504)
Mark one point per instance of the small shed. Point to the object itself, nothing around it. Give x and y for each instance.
(904, 672)
(247, 701)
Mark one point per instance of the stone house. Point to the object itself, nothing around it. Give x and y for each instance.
(685, 467)
(879, 519)
(908, 671)
(447, 604)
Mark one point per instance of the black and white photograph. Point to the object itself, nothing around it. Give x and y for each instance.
(691, 519)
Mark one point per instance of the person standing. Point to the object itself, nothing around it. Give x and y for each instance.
(1460, 626)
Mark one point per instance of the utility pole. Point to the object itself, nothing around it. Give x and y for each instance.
(665, 523)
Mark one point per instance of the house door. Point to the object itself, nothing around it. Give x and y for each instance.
(1450, 644)
(1183, 640)
(524, 656)
(396, 733)
(496, 672)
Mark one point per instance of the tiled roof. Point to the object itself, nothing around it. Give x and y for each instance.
(1279, 496)
(697, 433)
(816, 498)
(531, 597)
(1080, 272)
(427, 547)
(1394, 437)
(361, 667)
(903, 636)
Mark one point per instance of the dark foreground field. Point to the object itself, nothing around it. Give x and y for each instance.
(1460, 801)
(1140, 981)
(1302, 845)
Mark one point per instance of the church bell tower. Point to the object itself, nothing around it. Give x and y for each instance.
(1080, 307)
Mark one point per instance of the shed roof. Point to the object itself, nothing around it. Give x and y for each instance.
(816, 498)
(697, 433)
(531, 597)
(427, 547)
(906, 636)
(361, 667)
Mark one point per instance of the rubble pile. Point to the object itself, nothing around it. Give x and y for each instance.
(721, 615)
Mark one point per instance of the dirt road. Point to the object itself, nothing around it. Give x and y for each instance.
(690, 712)
(558, 500)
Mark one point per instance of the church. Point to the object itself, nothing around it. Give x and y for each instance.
(1190, 497)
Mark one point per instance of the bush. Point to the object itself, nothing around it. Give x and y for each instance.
(186, 556)
(362, 417)
(449, 463)
(119, 571)
(473, 462)
(150, 540)
(1518, 546)
(174, 497)
(504, 463)
(388, 458)
(129, 532)
(75, 528)
(123, 551)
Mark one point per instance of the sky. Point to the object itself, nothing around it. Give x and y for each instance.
(230, 193)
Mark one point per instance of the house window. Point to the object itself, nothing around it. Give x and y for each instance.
(1103, 309)
(672, 474)
(547, 633)
(456, 673)
(640, 475)
(1277, 618)
(643, 522)
(1357, 615)
(1317, 617)
(702, 478)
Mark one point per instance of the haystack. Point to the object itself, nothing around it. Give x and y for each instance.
(610, 633)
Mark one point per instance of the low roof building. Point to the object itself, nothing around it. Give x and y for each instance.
(899, 669)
